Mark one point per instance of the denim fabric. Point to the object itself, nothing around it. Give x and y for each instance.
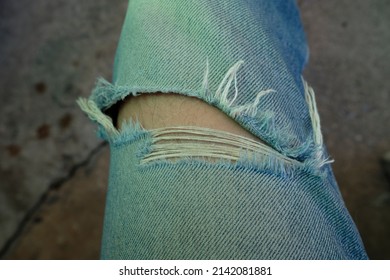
(244, 57)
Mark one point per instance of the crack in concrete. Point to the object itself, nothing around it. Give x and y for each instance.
(55, 185)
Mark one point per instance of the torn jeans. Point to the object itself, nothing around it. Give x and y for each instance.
(197, 193)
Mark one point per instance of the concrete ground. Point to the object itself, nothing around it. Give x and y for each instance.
(53, 170)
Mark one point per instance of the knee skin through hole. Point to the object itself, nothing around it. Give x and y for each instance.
(158, 110)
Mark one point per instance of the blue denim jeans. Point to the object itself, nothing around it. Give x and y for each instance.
(196, 193)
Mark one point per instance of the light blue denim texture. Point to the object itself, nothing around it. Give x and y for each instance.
(255, 207)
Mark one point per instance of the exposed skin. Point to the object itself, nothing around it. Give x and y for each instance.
(158, 110)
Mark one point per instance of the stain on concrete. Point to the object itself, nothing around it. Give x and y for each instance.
(40, 87)
(13, 150)
(65, 121)
(40, 41)
(43, 131)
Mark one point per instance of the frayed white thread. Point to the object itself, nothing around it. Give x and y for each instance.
(95, 114)
(250, 109)
(315, 119)
(325, 161)
(224, 86)
(205, 84)
(187, 141)
(221, 95)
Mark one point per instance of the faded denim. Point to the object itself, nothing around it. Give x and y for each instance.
(274, 201)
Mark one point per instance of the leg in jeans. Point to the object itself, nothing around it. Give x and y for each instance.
(217, 152)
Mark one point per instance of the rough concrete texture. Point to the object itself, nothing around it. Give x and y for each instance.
(349, 69)
(53, 172)
(69, 223)
(50, 53)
